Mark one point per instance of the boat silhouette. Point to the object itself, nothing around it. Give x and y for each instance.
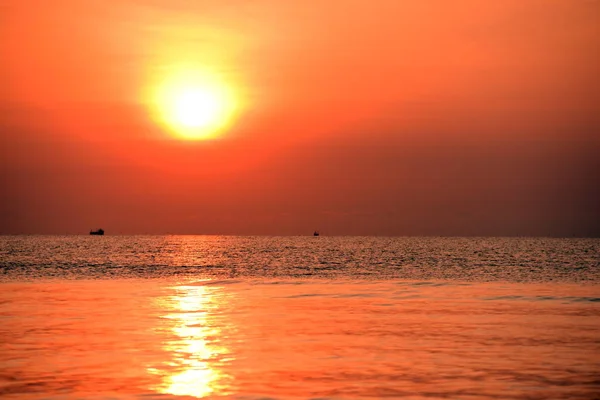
(316, 233)
(98, 232)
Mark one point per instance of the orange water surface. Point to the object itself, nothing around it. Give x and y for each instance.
(298, 339)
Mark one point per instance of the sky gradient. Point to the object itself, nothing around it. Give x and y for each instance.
(411, 117)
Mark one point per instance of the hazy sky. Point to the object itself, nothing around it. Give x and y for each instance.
(387, 117)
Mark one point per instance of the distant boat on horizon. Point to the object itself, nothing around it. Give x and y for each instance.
(316, 233)
(98, 232)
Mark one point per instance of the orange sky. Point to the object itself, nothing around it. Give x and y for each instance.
(468, 117)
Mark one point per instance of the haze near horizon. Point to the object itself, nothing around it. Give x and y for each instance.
(355, 118)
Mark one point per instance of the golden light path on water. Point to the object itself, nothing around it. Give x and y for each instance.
(194, 346)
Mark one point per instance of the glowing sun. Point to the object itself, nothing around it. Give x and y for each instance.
(195, 106)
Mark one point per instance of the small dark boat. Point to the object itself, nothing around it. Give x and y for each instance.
(316, 233)
(98, 232)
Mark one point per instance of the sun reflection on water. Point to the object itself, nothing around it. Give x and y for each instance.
(194, 345)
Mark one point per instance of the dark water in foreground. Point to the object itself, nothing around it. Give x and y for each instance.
(299, 318)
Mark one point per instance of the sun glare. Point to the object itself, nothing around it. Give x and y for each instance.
(194, 105)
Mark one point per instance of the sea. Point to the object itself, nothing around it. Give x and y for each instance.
(188, 317)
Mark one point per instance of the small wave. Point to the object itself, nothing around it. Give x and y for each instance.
(217, 282)
(510, 297)
(354, 295)
(566, 299)
(296, 296)
(282, 282)
(586, 299)
(408, 296)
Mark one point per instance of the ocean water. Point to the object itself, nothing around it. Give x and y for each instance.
(145, 317)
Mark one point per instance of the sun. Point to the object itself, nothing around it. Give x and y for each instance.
(194, 105)
(197, 107)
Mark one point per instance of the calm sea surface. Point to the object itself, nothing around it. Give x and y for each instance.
(145, 317)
